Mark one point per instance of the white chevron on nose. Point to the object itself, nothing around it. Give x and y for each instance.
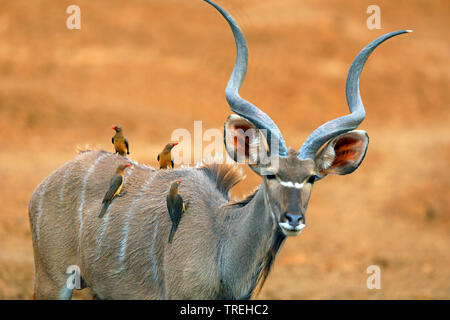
(290, 184)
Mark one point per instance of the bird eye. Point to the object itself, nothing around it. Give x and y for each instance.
(311, 179)
(271, 176)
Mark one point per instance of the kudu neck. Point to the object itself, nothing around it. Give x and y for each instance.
(256, 215)
(249, 243)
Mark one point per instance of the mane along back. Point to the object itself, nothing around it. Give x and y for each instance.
(225, 176)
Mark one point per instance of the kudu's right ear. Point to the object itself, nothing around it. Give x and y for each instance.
(245, 143)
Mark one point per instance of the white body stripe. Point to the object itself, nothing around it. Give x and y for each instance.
(105, 221)
(104, 227)
(39, 208)
(128, 216)
(61, 192)
(82, 197)
(152, 255)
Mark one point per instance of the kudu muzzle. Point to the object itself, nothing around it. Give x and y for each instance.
(292, 220)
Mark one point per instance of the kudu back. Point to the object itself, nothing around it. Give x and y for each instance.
(125, 255)
(221, 250)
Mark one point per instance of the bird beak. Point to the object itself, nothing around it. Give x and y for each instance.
(127, 165)
(114, 127)
(179, 181)
(175, 143)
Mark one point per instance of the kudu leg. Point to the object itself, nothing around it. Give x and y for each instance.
(47, 289)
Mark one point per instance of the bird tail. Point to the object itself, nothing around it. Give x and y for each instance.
(172, 233)
(104, 208)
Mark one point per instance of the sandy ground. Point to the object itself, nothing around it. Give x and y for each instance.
(157, 65)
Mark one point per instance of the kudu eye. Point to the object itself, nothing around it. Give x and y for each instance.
(271, 176)
(311, 179)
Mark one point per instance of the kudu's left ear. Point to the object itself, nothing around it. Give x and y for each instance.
(343, 154)
(245, 143)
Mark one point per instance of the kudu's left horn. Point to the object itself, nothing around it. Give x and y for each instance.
(357, 114)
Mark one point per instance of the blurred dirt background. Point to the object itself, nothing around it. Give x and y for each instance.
(157, 65)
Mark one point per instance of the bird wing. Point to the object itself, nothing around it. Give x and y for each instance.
(179, 205)
(128, 148)
(171, 161)
(112, 139)
(114, 185)
(170, 208)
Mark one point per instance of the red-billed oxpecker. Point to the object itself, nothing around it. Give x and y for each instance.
(115, 186)
(120, 142)
(165, 156)
(176, 208)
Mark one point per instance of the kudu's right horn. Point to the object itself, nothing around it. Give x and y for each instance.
(238, 105)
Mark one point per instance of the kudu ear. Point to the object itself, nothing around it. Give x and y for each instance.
(245, 143)
(343, 154)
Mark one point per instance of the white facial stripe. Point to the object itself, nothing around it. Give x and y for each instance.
(287, 184)
(290, 184)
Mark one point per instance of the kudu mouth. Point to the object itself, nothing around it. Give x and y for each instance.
(294, 225)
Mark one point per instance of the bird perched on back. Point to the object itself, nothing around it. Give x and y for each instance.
(120, 142)
(115, 186)
(165, 156)
(176, 208)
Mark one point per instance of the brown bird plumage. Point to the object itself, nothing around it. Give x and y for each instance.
(176, 208)
(165, 156)
(120, 142)
(115, 186)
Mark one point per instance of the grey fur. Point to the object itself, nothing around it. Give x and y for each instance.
(217, 252)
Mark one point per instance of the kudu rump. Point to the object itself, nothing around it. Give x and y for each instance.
(221, 250)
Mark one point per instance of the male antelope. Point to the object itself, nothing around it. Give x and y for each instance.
(221, 250)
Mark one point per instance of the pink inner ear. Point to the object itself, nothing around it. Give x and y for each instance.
(347, 150)
(242, 142)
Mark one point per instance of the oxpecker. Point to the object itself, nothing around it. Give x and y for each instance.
(120, 142)
(115, 186)
(176, 208)
(165, 156)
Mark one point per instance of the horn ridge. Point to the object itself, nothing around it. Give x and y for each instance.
(357, 114)
(237, 104)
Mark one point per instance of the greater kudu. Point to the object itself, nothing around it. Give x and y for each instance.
(221, 250)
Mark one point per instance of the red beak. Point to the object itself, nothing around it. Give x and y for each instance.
(127, 165)
(179, 181)
(114, 127)
(175, 143)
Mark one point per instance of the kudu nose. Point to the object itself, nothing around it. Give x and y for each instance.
(294, 218)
